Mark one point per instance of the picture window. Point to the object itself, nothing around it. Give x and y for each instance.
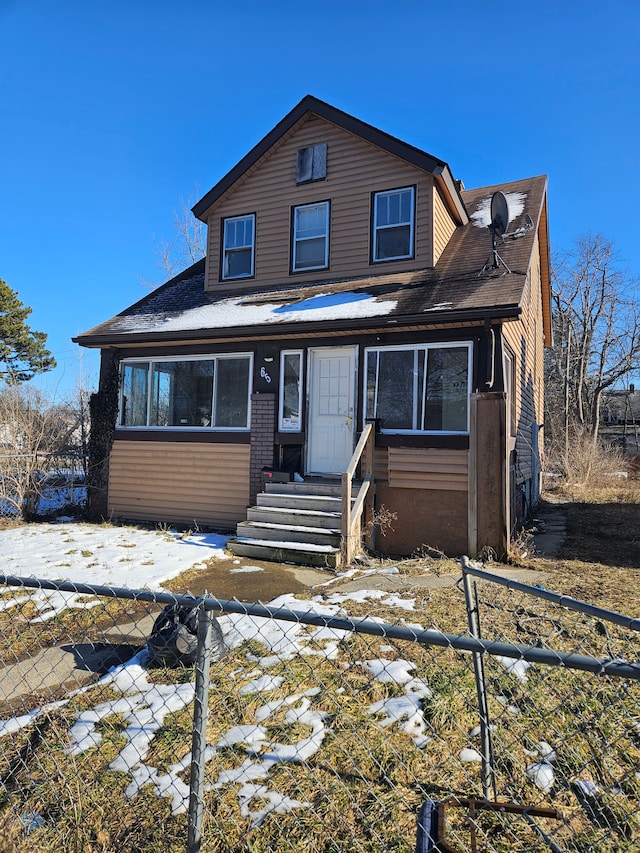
(421, 389)
(186, 393)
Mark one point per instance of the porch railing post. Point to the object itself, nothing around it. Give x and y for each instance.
(347, 548)
(367, 474)
(352, 516)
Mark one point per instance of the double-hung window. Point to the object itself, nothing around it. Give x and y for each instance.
(393, 224)
(310, 243)
(238, 246)
(419, 389)
(211, 392)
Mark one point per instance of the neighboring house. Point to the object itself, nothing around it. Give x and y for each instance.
(349, 279)
(620, 420)
(621, 406)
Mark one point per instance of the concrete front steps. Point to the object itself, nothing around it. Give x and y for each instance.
(293, 523)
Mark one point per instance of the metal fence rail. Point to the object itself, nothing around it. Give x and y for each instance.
(316, 731)
(591, 765)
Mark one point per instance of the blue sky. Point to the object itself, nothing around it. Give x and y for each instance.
(111, 114)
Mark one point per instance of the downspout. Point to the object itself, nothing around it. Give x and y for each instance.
(490, 371)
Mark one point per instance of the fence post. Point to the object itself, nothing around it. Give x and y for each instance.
(473, 619)
(199, 734)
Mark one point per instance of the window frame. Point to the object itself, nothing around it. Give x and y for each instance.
(224, 276)
(375, 227)
(311, 163)
(150, 361)
(295, 240)
(509, 383)
(282, 426)
(421, 347)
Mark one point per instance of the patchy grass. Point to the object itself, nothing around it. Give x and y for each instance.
(367, 780)
(600, 559)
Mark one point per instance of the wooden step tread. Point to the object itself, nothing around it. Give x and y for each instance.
(285, 545)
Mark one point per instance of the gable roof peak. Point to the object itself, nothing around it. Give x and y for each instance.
(310, 104)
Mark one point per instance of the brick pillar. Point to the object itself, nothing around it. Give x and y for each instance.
(263, 425)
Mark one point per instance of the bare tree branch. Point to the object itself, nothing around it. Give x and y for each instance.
(187, 246)
(597, 336)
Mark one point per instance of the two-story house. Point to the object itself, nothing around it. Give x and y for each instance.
(350, 286)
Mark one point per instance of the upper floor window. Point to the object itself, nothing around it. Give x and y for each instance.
(393, 224)
(419, 388)
(238, 243)
(208, 392)
(310, 250)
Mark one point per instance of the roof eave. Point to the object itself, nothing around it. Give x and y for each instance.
(444, 178)
(431, 318)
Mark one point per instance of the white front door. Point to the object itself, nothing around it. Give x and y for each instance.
(331, 409)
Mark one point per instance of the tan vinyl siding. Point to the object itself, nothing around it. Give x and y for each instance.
(419, 468)
(179, 482)
(381, 464)
(443, 225)
(355, 169)
(525, 340)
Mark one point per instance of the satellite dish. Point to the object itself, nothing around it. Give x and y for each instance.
(499, 213)
(499, 223)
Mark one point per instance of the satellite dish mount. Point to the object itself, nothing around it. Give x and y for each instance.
(498, 227)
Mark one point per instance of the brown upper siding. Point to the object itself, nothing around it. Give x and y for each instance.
(355, 169)
(525, 339)
(443, 225)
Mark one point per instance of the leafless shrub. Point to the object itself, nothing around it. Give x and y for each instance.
(32, 432)
(589, 462)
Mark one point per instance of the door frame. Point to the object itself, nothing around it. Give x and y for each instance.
(311, 352)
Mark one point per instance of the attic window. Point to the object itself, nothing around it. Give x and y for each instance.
(311, 164)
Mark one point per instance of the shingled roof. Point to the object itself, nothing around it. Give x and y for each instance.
(458, 289)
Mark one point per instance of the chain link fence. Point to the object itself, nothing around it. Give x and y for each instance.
(326, 725)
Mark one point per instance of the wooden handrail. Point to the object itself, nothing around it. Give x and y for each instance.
(352, 515)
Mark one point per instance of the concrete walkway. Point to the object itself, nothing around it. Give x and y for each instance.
(57, 671)
(550, 530)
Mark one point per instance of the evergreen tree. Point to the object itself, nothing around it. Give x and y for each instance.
(22, 351)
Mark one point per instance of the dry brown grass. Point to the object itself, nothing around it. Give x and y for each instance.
(600, 559)
(366, 782)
